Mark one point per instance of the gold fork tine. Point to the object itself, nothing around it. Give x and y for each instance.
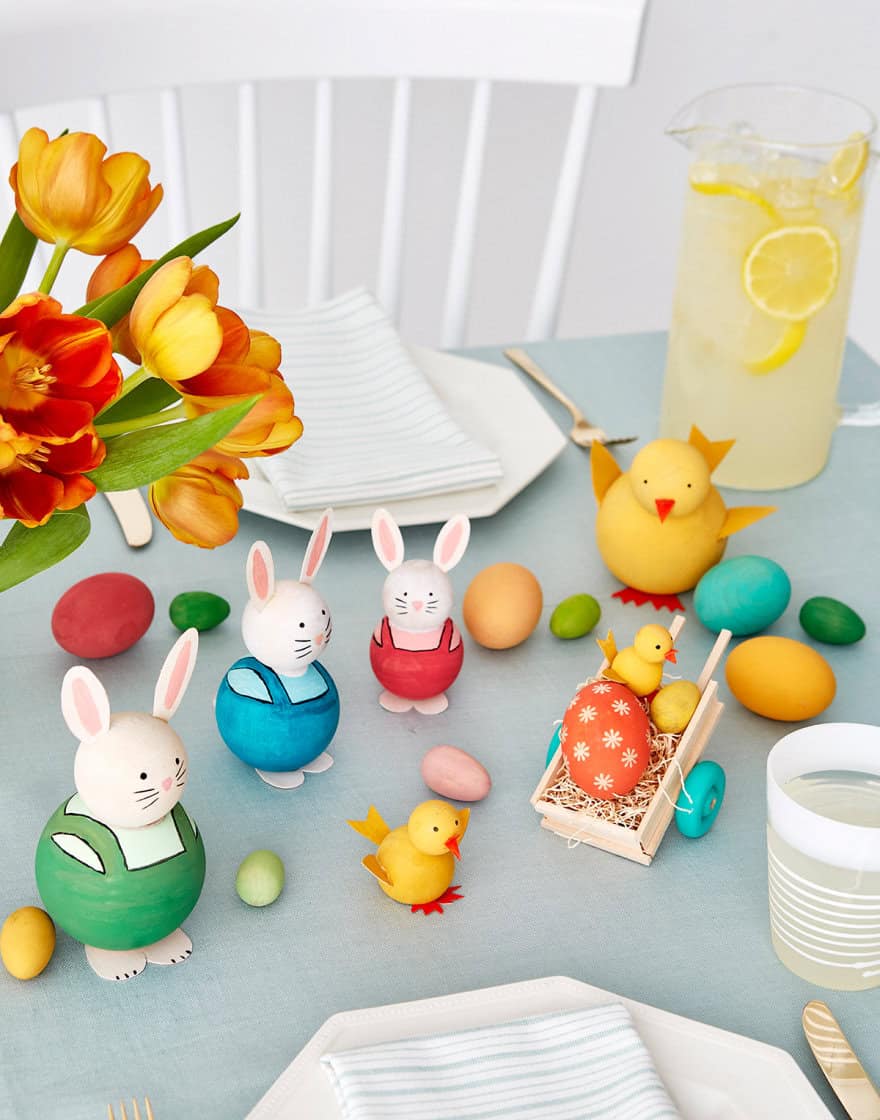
(149, 1109)
(137, 1111)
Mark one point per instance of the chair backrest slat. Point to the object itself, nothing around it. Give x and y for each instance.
(458, 285)
(250, 255)
(174, 158)
(391, 245)
(557, 243)
(321, 243)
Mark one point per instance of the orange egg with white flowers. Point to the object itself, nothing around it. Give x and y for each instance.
(606, 739)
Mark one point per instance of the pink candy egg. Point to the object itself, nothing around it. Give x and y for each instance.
(606, 738)
(455, 774)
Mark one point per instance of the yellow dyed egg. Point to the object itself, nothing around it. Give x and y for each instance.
(27, 942)
(502, 605)
(780, 678)
(673, 706)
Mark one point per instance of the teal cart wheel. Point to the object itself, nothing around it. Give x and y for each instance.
(554, 746)
(705, 784)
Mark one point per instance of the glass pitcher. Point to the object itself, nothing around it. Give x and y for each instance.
(768, 251)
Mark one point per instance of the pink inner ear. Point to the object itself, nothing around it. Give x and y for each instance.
(86, 708)
(450, 543)
(178, 675)
(316, 550)
(387, 542)
(260, 574)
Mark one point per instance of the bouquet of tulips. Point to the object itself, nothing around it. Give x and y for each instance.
(205, 393)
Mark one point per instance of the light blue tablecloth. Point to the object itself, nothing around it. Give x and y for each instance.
(689, 933)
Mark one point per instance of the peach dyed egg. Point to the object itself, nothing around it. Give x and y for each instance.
(455, 774)
(780, 678)
(502, 605)
(606, 739)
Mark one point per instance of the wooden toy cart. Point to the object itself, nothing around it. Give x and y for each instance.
(700, 804)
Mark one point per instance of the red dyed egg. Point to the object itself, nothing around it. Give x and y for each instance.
(606, 738)
(102, 615)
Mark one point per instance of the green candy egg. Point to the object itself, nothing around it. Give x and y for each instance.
(260, 878)
(575, 616)
(829, 620)
(201, 609)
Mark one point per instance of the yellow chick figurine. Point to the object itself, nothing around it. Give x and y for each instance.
(639, 666)
(415, 863)
(662, 524)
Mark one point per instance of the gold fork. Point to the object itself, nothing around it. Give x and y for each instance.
(584, 434)
(123, 1115)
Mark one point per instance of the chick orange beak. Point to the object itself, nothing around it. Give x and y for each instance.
(452, 845)
(664, 507)
(671, 656)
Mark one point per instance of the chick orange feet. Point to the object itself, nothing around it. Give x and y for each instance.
(631, 595)
(436, 907)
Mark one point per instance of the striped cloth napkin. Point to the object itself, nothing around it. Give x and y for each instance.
(574, 1065)
(374, 429)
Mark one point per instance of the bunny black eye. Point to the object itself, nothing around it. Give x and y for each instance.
(143, 775)
(436, 829)
(177, 762)
(405, 594)
(302, 626)
(324, 612)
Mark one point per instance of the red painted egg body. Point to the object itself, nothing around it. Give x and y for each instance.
(606, 739)
(102, 615)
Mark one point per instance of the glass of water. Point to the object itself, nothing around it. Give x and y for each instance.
(823, 849)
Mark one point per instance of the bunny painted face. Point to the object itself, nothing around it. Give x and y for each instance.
(131, 767)
(287, 624)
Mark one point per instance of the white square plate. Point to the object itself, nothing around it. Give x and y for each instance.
(492, 405)
(709, 1073)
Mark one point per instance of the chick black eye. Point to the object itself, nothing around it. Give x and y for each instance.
(143, 775)
(302, 626)
(456, 824)
(436, 829)
(689, 486)
(656, 647)
(645, 481)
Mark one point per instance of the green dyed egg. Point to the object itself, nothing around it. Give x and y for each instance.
(201, 609)
(829, 620)
(260, 878)
(575, 616)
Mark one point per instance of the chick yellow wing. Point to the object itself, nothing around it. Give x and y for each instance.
(374, 828)
(608, 646)
(604, 469)
(741, 517)
(375, 868)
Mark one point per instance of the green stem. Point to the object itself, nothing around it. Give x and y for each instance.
(49, 279)
(139, 376)
(105, 431)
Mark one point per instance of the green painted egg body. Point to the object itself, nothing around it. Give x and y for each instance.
(829, 620)
(744, 594)
(202, 609)
(575, 616)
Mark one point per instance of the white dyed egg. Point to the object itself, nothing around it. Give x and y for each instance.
(606, 739)
(455, 774)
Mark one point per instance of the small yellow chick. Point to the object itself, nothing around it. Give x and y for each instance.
(662, 524)
(639, 666)
(415, 863)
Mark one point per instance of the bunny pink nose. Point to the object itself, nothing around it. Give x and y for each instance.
(418, 604)
(319, 638)
(166, 785)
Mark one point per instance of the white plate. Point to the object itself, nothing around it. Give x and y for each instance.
(710, 1074)
(492, 405)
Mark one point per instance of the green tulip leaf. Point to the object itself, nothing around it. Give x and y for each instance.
(25, 551)
(150, 396)
(16, 252)
(139, 458)
(112, 307)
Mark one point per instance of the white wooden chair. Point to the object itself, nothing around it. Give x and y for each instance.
(94, 52)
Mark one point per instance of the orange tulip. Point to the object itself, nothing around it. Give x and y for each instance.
(174, 323)
(37, 477)
(112, 273)
(68, 194)
(199, 503)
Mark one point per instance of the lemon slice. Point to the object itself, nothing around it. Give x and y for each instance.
(734, 190)
(788, 345)
(846, 165)
(791, 273)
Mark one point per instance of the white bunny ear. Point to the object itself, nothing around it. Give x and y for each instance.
(175, 674)
(317, 547)
(84, 703)
(387, 539)
(260, 574)
(451, 542)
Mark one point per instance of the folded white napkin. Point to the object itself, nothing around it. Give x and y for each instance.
(374, 429)
(573, 1065)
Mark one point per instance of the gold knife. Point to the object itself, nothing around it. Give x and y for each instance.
(836, 1059)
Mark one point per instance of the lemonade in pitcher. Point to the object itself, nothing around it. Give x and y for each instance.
(771, 228)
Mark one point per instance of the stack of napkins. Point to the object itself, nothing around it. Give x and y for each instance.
(374, 429)
(574, 1065)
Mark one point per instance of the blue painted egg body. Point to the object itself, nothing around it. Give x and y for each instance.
(744, 594)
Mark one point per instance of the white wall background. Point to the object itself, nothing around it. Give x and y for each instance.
(624, 248)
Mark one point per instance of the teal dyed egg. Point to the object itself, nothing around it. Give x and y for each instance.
(744, 595)
(829, 620)
(575, 616)
(202, 609)
(260, 878)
